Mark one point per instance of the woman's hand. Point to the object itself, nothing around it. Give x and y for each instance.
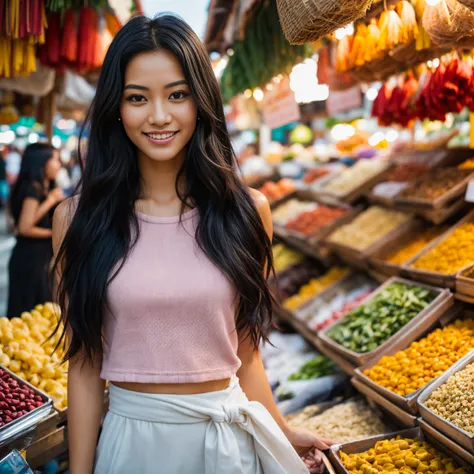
(308, 445)
(55, 195)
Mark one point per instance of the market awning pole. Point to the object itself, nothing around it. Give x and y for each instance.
(50, 111)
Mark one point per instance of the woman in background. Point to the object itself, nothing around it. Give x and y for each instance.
(32, 199)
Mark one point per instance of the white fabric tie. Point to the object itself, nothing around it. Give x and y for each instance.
(273, 449)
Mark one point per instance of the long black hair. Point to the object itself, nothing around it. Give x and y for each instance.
(104, 227)
(32, 174)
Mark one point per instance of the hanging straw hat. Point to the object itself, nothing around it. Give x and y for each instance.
(304, 21)
(447, 22)
(467, 3)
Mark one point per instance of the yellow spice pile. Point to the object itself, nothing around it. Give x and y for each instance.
(452, 254)
(409, 370)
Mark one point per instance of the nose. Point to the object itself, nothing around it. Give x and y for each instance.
(159, 114)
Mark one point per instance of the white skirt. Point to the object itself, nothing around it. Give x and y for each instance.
(210, 433)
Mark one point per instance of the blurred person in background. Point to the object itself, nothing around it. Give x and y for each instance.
(4, 188)
(33, 197)
(13, 165)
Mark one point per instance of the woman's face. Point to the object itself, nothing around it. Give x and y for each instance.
(158, 111)
(53, 165)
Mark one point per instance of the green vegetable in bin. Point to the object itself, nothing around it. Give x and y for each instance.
(369, 325)
(320, 366)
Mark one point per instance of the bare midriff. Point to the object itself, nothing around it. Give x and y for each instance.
(175, 388)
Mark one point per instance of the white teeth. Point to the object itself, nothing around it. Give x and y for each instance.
(160, 136)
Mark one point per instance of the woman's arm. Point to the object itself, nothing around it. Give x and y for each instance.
(31, 213)
(85, 387)
(254, 382)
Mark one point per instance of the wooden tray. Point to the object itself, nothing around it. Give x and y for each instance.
(428, 276)
(458, 435)
(434, 436)
(405, 419)
(441, 201)
(366, 444)
(358, 192)
(464, 284)
(428, 315)
(377, 258)
(409, 402)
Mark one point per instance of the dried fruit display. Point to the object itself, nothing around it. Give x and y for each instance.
(309, 222)
(435, 183)
(276, 191)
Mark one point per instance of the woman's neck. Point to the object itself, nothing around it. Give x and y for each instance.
(158, 185)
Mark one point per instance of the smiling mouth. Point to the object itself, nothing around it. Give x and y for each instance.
(160, 136)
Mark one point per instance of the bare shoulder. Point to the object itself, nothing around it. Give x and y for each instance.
(62, 218)
(263, 208)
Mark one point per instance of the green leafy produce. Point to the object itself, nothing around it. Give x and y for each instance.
(262, 54)
(320, 366)
(369, 325)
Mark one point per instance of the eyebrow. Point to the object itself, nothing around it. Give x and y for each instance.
(143, 88)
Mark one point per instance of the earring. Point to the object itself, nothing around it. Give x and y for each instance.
(119, 119)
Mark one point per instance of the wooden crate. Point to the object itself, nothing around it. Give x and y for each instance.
(409, 402)
(359, 191)
(442, 201)
(427, 316)
(365, 444)
(428, 276)
(377, 259)
(465, 285)
(360, 257)
(48, 447)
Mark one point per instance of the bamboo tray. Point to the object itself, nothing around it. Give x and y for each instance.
(405, 419)
(357, 192)
(365, 444)
(428, 315)
(360, 257)
(428, 276)
(458, 435)
(441, 201)
(409, 402)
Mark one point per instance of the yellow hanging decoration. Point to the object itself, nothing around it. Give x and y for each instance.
(390, 27)
(407, 15)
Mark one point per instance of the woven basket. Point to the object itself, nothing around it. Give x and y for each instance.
(448, 22)
(467, 3)
(304, 21)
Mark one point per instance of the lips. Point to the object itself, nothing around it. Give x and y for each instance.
(161, 135)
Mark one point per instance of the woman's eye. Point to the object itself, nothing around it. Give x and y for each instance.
(136, 98)
(178, 95)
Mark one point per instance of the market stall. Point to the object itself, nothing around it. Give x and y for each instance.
(380, 278)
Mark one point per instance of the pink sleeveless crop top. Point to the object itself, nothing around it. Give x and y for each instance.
(172, 317)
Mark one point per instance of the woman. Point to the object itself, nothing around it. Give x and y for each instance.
(162, 263)
(32, 199)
